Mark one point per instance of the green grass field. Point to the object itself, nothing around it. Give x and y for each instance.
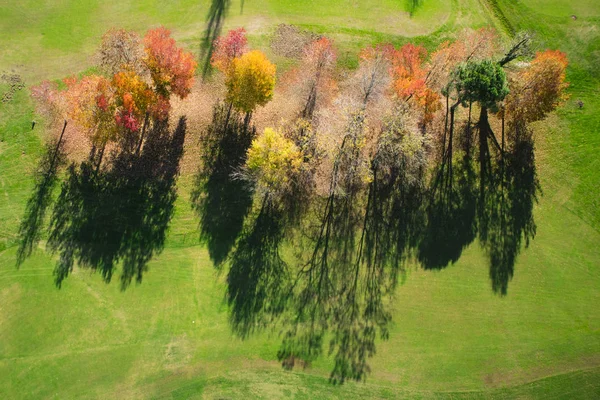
(169, 337)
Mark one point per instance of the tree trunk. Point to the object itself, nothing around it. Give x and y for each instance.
(467, 143)
(445, 131)
(139, 146)
(247, 119)
(58, 144)
(228, 116)
(100, 158)
(450, 141)
(484, 129)
(309, 107)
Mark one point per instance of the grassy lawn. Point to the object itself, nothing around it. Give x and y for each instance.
(62, 35)
(170, 337)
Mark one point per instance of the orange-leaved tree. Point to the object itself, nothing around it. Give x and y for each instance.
(133, 98)
(171, 68)
(140, 87)
(537, 89)
(410, 80)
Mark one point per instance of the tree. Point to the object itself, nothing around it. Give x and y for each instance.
(250, 81)
(410, 80)
(104, 108)
(171, 68)
(372, 78)
(80, 97)
(49, 101)
(538, 88)
(120, 49)
(227, 48)
(470, 46)
(133, 99)
(272, 162)
(484, 82)
(318, 62)
(408, 71)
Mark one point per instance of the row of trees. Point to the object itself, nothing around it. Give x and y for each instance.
(411, 155)
(373, 169)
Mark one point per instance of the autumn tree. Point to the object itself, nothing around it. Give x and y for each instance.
(409, 74)
(171, 68)
(318, 61)
(372, 78)
(121, 49)
(410, 80)
(537, 89)
(49, 101)
(272, 163)
(471, 45)
(107, 109)
(250, 82)
(227, 48)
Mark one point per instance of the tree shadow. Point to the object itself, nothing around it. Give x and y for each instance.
(336, 299)
(412, 6)
(46, 177)
(120, 213)
(214, 24)
(506, 218)
(339, 297)
(221, 201)
(451, 211)
(495, 206)
(259, 280)
(338, 291)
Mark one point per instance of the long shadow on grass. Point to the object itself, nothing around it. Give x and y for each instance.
(220, 200)
(120, 213)
(335, 300)
(259, 280)
(499, 212)
(506, 216)
(46, 178)
(412, 6)
(214, 24)
(451, 211)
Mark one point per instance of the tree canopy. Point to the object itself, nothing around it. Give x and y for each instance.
(250, 81)
(484, 82)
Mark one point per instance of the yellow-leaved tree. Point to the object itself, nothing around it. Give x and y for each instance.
(250, 81)
(272, 162)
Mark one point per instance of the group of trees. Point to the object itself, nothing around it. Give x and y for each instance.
(138, 77)
(372, 167)
(376, 168)
(118, 213)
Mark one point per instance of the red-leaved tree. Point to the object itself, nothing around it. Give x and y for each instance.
(228, 47)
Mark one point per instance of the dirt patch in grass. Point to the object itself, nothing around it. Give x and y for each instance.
(290, 41)
(14, 83)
